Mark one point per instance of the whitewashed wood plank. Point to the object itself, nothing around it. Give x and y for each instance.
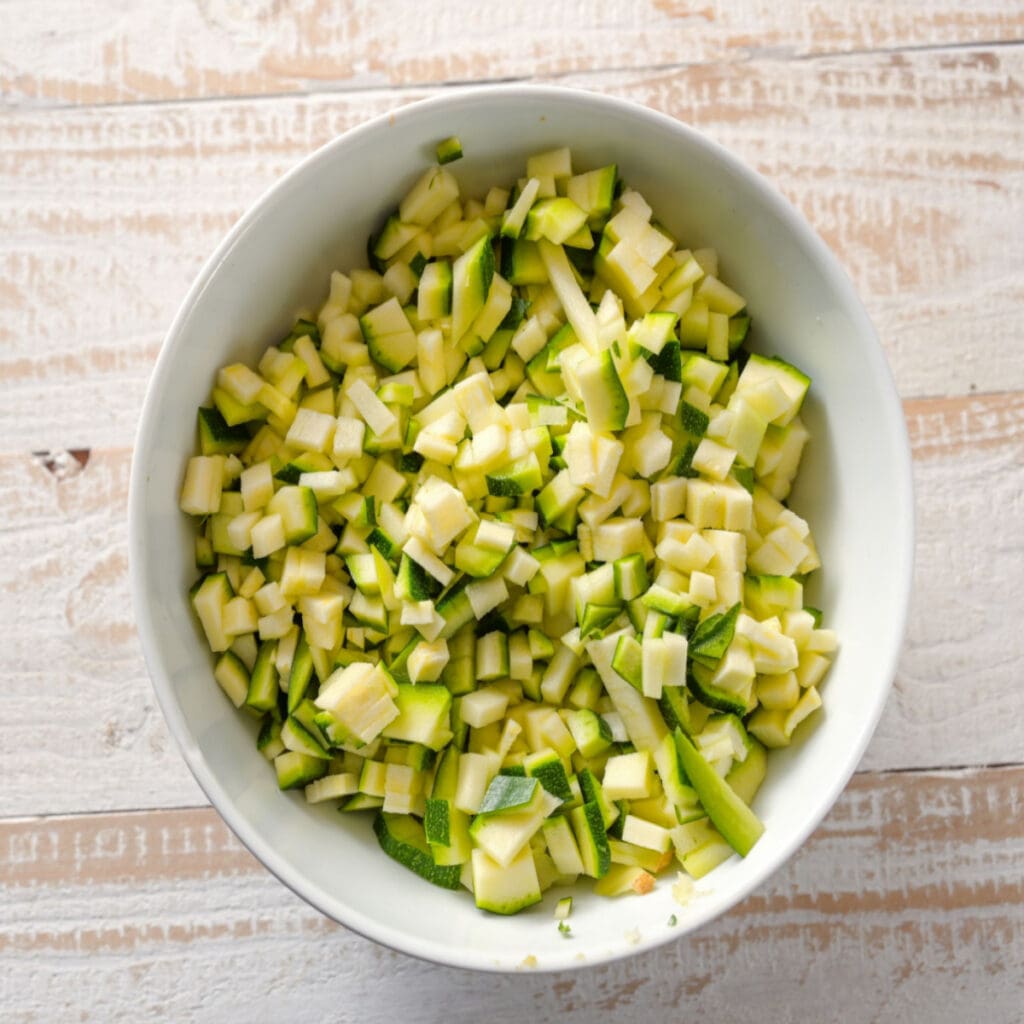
(115, 52)
(170, 50)
(964, 654)
(912, 168)
(948, 426)
(907, 904)
(77, 693)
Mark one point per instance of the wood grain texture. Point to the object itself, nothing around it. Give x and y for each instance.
(132, 136)
(162, 916)
(75, 653)
(941, 426)
(969, 499)
(911, 166)
(963, 655)
(117, 52)
(76, 692)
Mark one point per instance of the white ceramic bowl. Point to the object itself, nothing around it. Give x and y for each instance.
(855, 489)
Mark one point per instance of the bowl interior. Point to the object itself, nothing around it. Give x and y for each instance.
(854, 489)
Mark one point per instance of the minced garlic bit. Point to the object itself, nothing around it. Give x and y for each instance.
(683, 891)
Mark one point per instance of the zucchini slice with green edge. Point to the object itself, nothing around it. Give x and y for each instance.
(402, 838)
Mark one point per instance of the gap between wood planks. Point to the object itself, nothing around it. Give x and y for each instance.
(951, 769)
(750, 55)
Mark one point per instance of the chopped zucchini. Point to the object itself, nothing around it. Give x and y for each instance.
(494, 542)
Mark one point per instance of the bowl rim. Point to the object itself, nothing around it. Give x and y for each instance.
(453, 98)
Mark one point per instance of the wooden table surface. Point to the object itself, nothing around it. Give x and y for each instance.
(132, 135)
